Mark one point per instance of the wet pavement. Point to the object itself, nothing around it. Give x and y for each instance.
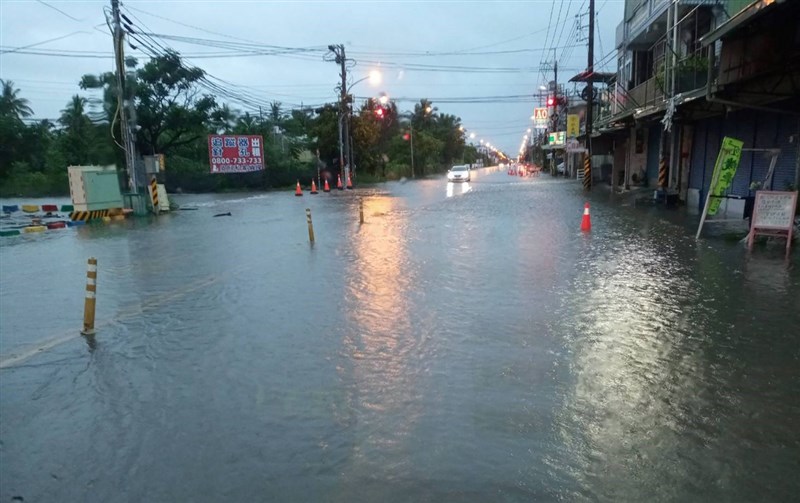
(467, 343)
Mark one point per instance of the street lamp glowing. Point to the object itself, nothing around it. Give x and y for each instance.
(472, 136)
(375, 77)
(384, 98)
(428, 109)
(529, 130)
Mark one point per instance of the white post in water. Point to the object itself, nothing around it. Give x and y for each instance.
(89, 302)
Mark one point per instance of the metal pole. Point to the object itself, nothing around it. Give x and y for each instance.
(587, 173)
(127, 139)
(345, 113)
(411, 137)
(341, 145)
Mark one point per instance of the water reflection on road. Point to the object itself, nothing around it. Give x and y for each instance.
(466, 343)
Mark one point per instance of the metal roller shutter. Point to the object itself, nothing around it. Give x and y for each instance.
(698, 155)
(786, 166)
(742, 126)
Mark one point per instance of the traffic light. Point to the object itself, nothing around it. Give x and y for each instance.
(379, 113)
(406, 136)
(551, 101)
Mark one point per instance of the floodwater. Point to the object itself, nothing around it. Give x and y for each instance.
(467, 343)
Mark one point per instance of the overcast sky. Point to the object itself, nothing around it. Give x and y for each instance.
(477, 38)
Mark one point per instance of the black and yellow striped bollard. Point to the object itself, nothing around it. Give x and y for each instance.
(89, 301)
(587, 173)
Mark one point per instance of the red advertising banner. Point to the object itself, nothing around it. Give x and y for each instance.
(235, 153)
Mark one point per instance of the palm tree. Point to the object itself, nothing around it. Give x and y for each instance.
(246, 123)
(11, 104)
(223, 119)
(276, 114)
(74, 116)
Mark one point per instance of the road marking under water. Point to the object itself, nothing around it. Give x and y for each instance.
(123, 314)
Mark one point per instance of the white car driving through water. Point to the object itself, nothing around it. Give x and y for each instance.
(458, 173)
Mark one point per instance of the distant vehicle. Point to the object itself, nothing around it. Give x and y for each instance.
(458, 173)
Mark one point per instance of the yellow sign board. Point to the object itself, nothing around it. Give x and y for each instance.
(573, 126)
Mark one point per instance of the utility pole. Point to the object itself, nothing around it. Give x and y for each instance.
(587, 162)
(411, 137)
(122, 101)
(344, 105)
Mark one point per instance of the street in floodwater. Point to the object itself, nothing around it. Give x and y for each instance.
(467, 343)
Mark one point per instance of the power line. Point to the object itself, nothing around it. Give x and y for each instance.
(59, 10)
(9, 50)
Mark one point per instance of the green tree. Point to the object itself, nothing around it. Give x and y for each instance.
(169, 109)
(13, 109)
(223, 119)
(77, 136)
(11, 104)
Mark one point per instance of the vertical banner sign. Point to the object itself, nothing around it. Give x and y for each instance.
(573, 126)
(724, 171)
(540, 117)
(235, 153)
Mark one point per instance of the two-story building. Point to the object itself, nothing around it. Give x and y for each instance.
(693, 71)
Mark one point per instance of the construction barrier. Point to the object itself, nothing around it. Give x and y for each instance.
(30, 208)
(154, 194)
(49, 208)
(10, 208)
(86, 216)
(34, 228)
(67, 208)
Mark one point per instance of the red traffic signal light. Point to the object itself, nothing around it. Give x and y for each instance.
(406, 136)
(379, 112)
(551, 101)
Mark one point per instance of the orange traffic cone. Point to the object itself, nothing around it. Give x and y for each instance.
(339, 182)
(586, 223)
(326, 187)
(298, 191)
(313, 187)
(349, 183)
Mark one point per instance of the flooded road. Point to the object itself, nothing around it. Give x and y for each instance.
(467, 343)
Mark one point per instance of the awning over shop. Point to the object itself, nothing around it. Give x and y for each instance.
(594, 77)
(741, 19)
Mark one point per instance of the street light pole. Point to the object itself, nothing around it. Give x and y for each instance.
(411, 137)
